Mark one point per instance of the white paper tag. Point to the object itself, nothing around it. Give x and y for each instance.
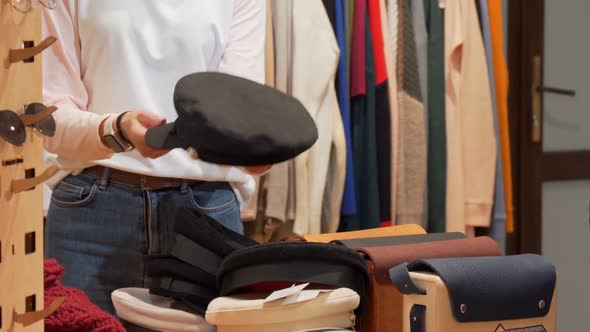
(285, 292)
(304, 295)
(294, 298)
(307, 295)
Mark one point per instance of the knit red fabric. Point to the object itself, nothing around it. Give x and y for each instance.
(77, 313)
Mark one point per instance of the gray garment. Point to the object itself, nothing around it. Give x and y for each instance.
(348, 20)
(498, 225)
(421, 41)
(411, 176)
(277, 192)
(291, 192)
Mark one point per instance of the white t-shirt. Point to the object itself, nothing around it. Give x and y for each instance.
(114, 56)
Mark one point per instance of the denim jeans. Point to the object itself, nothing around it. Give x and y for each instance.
(100, 230)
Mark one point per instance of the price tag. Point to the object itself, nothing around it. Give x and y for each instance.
(286, 292)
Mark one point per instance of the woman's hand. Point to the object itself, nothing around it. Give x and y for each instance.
(134, 126)
(136, 123)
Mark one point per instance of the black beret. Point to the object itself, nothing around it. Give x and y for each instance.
(231, 120)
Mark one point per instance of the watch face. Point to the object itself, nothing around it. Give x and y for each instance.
(113, 144)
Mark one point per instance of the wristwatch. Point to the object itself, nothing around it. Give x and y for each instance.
(113, 138)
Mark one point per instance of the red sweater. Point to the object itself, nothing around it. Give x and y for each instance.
(77, 313)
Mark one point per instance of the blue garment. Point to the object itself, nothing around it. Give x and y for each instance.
(497, 230)
(100, 230)
(349, 206)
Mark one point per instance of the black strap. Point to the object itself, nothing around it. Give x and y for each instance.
(192, 253)
(181, 287)
(418, 318)
(400, 276)
(118, 127)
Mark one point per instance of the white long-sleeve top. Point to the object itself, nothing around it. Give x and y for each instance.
(114, 56)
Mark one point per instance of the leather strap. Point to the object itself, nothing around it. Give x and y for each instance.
(418, 318)
(400, 276)
(18, 55)
(194, 254)
(34, 118)
(21, 185)
(144, 182)
(119, 129)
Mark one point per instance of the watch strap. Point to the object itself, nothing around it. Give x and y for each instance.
(119, 130)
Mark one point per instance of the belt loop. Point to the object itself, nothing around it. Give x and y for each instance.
(104, 179)
(184, 187)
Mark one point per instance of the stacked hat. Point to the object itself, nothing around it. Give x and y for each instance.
(230, 120)
(187, 269)
(273, 265)
(141, 311)
(335, 275)
(331, 310)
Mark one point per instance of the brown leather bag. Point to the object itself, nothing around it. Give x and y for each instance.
(384, 306)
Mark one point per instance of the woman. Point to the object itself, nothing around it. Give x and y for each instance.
(112, 74)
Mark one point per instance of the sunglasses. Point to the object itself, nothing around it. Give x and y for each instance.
(25, 6)
(36, 115)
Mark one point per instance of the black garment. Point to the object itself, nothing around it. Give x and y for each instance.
(383, 137)
(365, 145)
(437, 145)
(330, 6)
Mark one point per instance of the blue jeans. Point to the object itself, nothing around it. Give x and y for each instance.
(100, 230)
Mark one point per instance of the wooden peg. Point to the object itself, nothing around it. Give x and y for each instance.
(18, 55)
(17, 186)
(28, 318)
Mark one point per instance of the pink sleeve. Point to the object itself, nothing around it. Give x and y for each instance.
(244, 53)
(76, 136)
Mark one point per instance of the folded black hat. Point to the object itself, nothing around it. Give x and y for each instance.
(230, 120)
(187, 266)
(284, 263)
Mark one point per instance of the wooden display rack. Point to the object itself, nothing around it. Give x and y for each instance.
(21, 212)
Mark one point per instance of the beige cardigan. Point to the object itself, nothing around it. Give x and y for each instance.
(308, 74)
(277, 195)
(389, 23)
(314, 54)
(471, 144)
